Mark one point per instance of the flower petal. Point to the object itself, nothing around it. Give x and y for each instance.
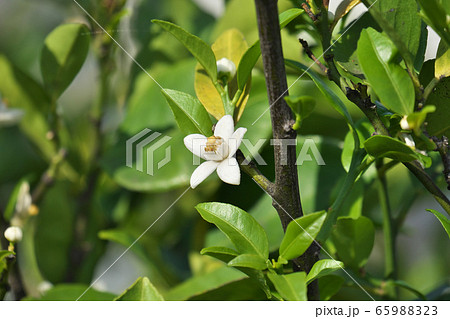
(196, 144)
(229, 172)
(225, 127)
(235, 141)
(202, 172)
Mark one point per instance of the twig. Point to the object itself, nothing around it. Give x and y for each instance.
(388, 229)
(444, 150)
(312, 56)
(309, 12)
(48, 177)
(250, 168)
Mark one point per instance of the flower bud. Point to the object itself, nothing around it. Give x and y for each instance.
(226, 68)
(404, 123)
(13, 234)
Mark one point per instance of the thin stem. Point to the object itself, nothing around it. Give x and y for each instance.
(252, 170)
(312, 56)
(49, 175)
(388, 228)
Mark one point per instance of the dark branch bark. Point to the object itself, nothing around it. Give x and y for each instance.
(286, 194)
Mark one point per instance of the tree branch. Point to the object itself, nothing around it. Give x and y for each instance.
(286, 193)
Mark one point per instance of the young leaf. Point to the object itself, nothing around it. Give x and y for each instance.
(198, 48)
(231, 45)
(442, 64)
(354, 239)
(222, 253)
(444, 220)
(302, 107)
(240, 227)
(292, 287)
(385, 146)
(322, 268)
(389, 81)
(249, 261)
(64, 53)
(141, 290)
(300, 233)
(189, 113)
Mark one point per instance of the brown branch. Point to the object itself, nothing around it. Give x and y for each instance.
(309, 12)
(312, 56)
(286, 194)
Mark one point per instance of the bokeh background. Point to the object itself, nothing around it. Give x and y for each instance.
(122, 208)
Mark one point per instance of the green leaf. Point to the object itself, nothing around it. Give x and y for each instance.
(141, 290)
(63, 55)
(442, 64)
(189, 113)
(385, 146)
(416, 119)
(400, 20)
(240, 227)
(336, 102)
(345, 46)
(195, 286)
(439, 121)
(353, 239)
(291, 287)
(249, 261)
(71, 292)
(11, 206)
(300, 233)
(19, 90)
(247, 63)
(230, 44)
(223, 253)
(322, 268)
(5, 253)
(435, 15)
(198, 48)
(444, 220)
(302, 106)
(364, 129)
(329, 286)
(389, 81)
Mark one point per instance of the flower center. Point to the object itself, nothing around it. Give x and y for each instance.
(216, 148)
(213, 143)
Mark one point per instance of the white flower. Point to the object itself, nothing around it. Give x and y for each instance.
(13, 234)
(226, 68)
(404, 123)
(218, 151)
